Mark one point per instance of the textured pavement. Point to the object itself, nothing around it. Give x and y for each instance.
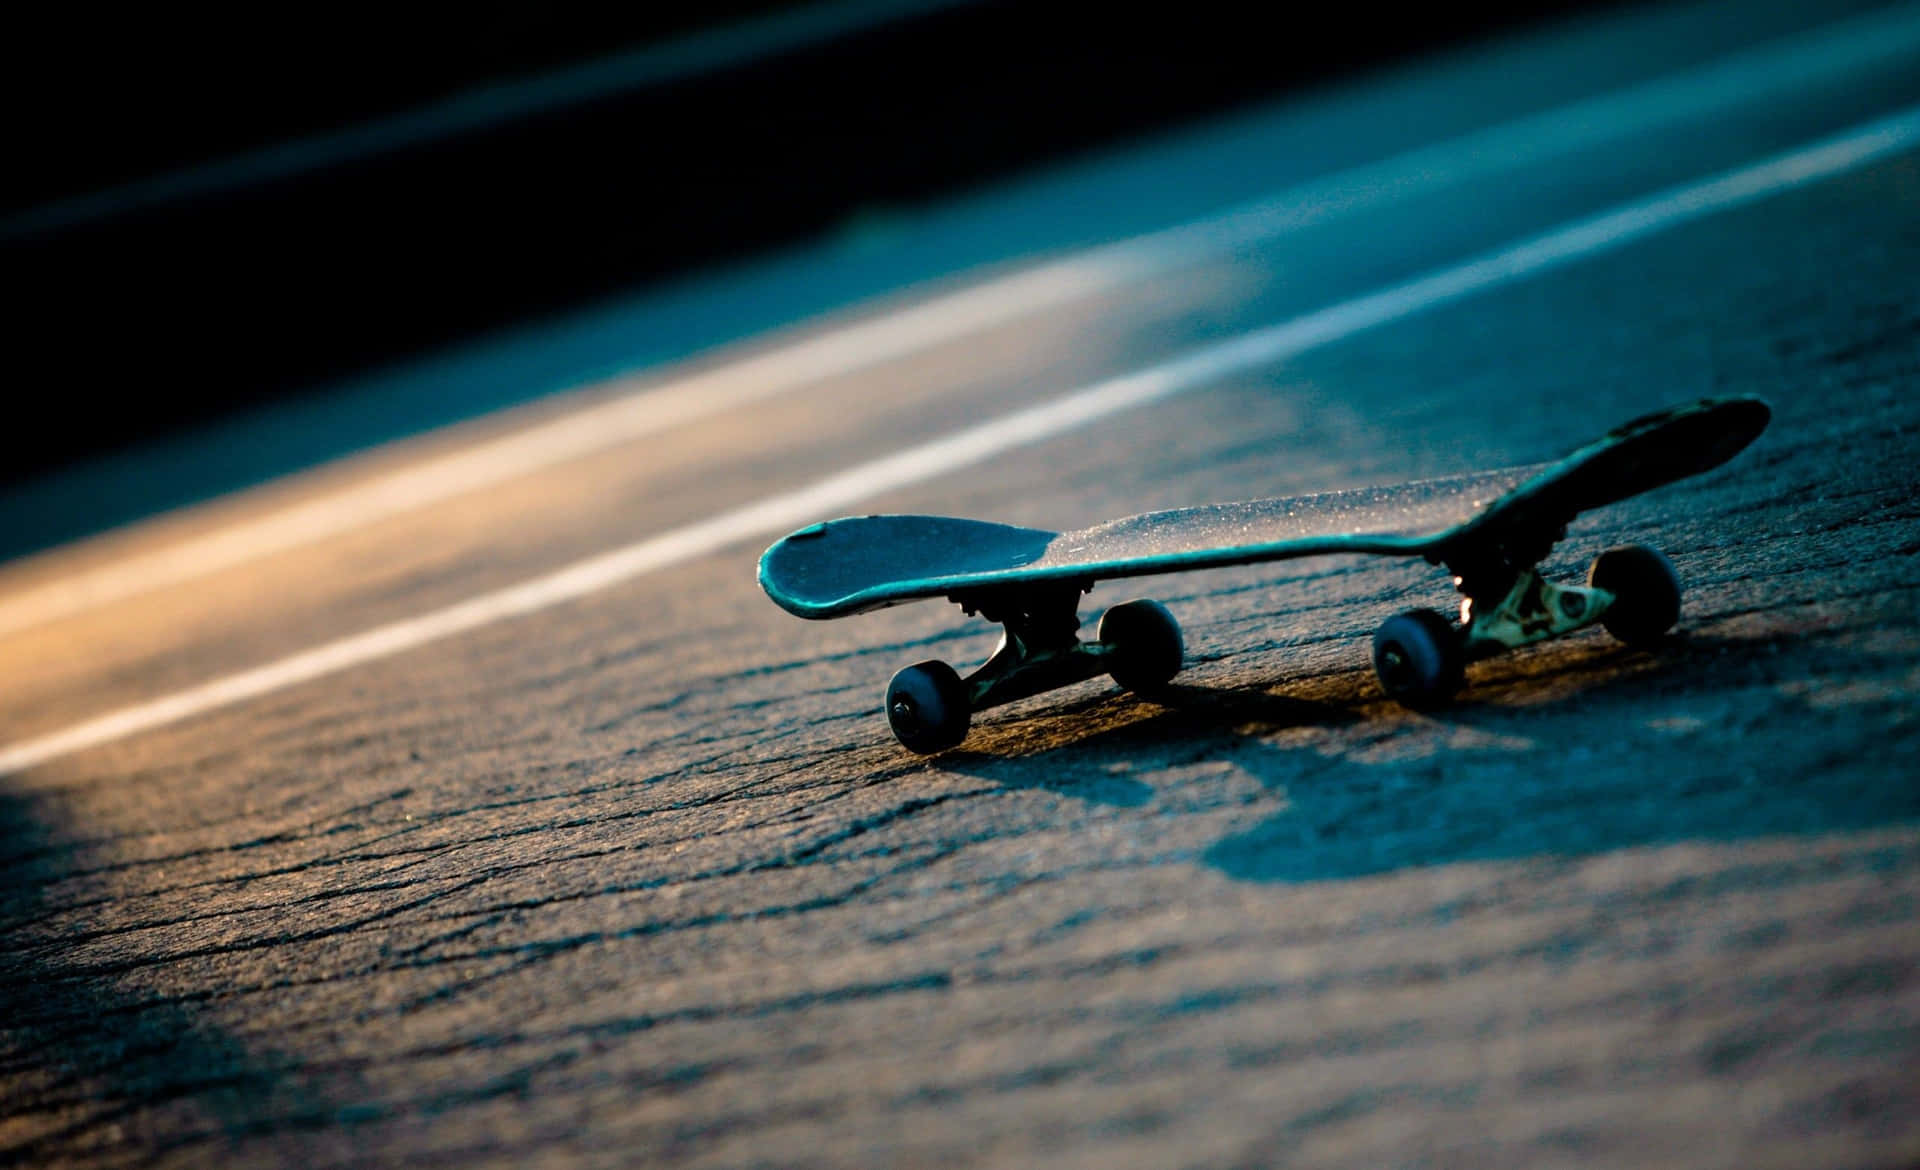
(642, 879)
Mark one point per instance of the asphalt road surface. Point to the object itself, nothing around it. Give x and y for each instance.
(466, 803)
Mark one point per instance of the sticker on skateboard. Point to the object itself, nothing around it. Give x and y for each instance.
(1490, 530)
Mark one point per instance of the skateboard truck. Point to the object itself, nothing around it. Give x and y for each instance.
(930, 707)
(1420, 656)
(1506, 603)
(1040, 647)
(1534, 610)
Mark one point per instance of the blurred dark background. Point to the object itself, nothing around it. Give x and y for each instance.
(206, 211)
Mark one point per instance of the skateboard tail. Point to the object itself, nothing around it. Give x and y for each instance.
(1661, 448)
(1636, 457)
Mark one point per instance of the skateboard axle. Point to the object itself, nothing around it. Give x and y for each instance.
(1011, 674)
(1533, 610)
(1040, 648)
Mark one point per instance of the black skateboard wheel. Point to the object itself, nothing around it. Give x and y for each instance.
(1144, 650)
(1419, 658)
(1646, 590)
(928, 707)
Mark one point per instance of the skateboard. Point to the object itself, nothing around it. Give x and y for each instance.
(1489, 530)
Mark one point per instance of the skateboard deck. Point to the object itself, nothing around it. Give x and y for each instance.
(1489, 528)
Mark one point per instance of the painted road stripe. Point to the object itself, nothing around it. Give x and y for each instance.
(572, 436)
(974, 445)
(1840, 50)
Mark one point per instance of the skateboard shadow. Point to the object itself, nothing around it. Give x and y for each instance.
(1594, 772)
(1704, 737)
(1059, 754)
(99, 1051)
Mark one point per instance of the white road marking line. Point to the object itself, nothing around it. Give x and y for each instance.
(1796, 63)
(596, 428)
(1835, 51)
(775, 514)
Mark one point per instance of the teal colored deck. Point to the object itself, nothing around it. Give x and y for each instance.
(861, 563)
